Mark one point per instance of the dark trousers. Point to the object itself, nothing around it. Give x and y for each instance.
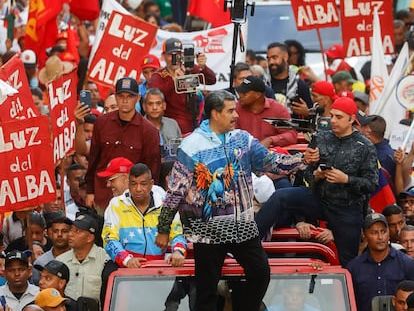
(209, 259)
(299, 202)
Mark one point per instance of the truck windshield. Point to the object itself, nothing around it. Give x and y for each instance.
(285, 292)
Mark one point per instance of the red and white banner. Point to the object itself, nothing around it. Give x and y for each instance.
(62, 105)
(19, 106)
(315, 14)
(27, 176)
(357, 25)
(125, 42)
(215, 43)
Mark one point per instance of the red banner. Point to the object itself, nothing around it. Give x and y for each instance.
(125, 42)
(62, 104)
(41, 27)
(19, 106)
(211, 11)
(27, 176)
(315, 14)
(357, 25)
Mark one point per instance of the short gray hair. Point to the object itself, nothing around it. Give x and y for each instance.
(154, 91)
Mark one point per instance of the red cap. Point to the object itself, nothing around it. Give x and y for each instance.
(150, 61)
(116, 166)
(95, 112)
(335, 51)
(324, 88)
(345, 104)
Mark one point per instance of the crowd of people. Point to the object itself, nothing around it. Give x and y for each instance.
(154, 170)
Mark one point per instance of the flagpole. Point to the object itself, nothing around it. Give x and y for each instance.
(318, 32)
(407, 137)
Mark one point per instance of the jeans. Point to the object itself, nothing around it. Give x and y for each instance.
(287, 204)
(209, 259)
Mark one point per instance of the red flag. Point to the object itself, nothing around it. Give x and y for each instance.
(27, 176)
(41, 28)
(383, 195)
(85, 10)
(211, 11)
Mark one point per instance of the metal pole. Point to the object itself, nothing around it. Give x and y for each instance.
(234, 51)
(325, 67)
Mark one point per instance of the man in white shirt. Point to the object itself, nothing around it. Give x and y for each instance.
(17, 292)
(85, 260)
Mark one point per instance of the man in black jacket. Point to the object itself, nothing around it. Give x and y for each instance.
(346, 174)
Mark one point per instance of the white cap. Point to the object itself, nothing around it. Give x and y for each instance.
(263, 188)
(28, 57)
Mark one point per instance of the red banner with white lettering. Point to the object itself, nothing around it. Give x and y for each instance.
(62, 104)
(125, 42)
(18, 106)
(357, 15)
(315, 14)
(27, 176)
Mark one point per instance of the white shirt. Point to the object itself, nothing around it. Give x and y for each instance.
(15, 304)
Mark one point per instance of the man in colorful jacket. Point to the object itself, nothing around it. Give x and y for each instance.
(213, 175)
(131, 221)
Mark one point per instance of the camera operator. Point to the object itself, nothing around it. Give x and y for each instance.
(181, 107)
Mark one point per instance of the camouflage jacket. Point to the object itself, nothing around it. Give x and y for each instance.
(354, 155)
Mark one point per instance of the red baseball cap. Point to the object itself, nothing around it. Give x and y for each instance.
(324, 88)
(345, 104)
(116, 166)
(335, 51)
(150, 61)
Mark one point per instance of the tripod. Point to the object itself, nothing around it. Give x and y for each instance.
(238, 12)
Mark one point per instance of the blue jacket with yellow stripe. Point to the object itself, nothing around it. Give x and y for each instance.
(129, 233)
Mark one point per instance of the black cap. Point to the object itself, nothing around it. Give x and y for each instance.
(56, 217)
(407, 193)
(86, 222)
(128, 85)
(362, 97)
(57, 268)
(251, 83)
(18, 255)
(371, 219)
(172, 45)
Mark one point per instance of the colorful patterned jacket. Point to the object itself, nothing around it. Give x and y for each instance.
(211, 184)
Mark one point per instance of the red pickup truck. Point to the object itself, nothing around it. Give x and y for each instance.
(305, 276)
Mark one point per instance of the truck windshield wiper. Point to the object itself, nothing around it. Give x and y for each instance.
(312, 283)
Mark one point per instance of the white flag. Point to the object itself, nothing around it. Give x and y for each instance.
(388, 105)
(6, 90)
(379, 72)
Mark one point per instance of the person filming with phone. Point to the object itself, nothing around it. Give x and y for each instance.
(179, 107)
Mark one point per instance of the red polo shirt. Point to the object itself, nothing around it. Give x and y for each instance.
(137, 140)
(254, 124)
